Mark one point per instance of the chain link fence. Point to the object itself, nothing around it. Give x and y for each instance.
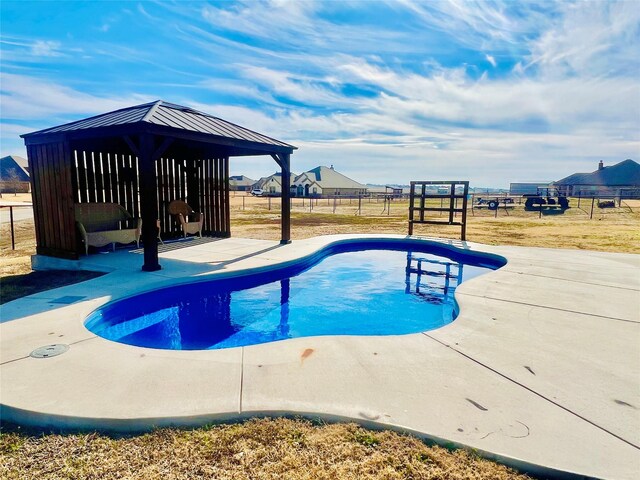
(480, 205)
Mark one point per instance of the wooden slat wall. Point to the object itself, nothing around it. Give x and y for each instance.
(215, 189)
(227, 210)
(212, 181)
(64, 176)
(106, 177)
(211, 195)
(53, 196)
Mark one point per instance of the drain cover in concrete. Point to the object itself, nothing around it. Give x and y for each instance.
(50, 350)
(68, 299)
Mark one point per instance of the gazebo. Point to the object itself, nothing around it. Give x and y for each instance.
(142, 157)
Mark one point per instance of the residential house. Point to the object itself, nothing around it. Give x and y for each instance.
(240, 183)
(272, 185)
(621, 180)
(14, 175)
(324, 181)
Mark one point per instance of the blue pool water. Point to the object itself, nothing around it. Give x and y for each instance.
(356, 288)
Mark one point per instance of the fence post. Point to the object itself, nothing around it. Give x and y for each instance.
(269, 203)
(243, 197)
(334, 204)
(13, 238)
(359, 204)
(497, 207)
(593, 200)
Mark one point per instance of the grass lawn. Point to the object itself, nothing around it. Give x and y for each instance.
(280, 448)
(256, 449)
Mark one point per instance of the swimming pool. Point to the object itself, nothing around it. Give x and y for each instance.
(350, 288)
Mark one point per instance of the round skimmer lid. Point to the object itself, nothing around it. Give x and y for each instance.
(49, 350)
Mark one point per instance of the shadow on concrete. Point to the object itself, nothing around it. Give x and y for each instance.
(101, 275)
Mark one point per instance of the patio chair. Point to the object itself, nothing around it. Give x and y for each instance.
(190, 221)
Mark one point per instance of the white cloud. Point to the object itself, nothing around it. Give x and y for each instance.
(482, 25)
(590, 39)
(264, 19)
(46, 48)
(25, 97)
(491, 60)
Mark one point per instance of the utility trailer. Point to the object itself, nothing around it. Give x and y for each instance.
(492, 203)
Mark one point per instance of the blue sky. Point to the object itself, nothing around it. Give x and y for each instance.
(387, 91)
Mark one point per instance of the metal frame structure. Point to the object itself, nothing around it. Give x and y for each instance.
(451, 209)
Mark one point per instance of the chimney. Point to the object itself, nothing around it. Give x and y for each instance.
(600, 165)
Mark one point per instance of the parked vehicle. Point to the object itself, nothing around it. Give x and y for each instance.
(257, 192)
(546, 198)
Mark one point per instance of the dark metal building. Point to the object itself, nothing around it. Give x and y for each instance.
(142, 158)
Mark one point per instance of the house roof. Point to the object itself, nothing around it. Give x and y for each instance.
(328, 178)
(241, 180)
(165, 114)
(275, 177)
(625, 173)
(12, 167)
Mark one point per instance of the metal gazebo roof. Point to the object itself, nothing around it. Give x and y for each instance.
(164, 115)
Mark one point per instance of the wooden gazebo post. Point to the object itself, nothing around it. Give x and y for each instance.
(147, 154)
(284, 160)
(148, 204)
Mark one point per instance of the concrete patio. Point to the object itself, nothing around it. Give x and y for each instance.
(541, 370)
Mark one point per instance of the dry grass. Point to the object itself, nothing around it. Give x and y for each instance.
(21, 285)
(257, 449)
(16, 277)
(610, 230)
(18, 261)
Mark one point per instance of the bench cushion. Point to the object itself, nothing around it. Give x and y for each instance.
(100, 224)
(96, 217)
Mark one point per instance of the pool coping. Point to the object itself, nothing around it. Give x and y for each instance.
(495, 380)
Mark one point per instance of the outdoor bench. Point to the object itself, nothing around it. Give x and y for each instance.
(103, 223)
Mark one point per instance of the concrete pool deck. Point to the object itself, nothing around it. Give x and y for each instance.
(541, 369)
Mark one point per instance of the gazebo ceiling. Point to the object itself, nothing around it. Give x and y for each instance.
(165, 119)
